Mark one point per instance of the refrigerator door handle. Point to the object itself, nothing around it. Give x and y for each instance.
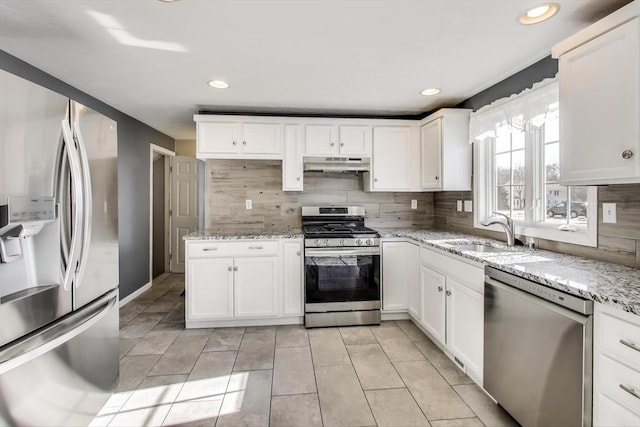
(59, 333)
(88, 204)
(77, 202)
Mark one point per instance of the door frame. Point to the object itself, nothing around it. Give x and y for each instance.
(156, 149)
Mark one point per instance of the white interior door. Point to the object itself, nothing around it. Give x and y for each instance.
(184, 207)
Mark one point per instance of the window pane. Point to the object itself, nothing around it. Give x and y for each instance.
(517, 202)
(552, 162)
(556, 200)
(503, 168)
(552, 124)
(502, 198)
(503, 138)
(517, 133)
(517, 164)
(578, 212)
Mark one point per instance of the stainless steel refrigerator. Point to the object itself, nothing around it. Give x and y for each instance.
(58, 257)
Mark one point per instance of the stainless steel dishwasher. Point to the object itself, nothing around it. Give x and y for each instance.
(537, 351)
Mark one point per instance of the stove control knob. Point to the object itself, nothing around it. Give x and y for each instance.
(343, 242)
(318, 242)
(327, 242)
(358, 242)
(369, 242)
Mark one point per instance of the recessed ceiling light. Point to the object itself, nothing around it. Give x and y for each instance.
(430, 92)
(538, 13)
(218, 84)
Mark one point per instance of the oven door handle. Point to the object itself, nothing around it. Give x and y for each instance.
(335, 253)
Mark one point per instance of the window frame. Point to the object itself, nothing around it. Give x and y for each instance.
(484, 185)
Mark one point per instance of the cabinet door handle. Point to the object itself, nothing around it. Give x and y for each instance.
(439, 288)
(230, 268)
(448, 293)
(235, 268)
(255, 247)
(209, 249)
(630, 344)
(298, 253)
(627, 154)
(632, 391)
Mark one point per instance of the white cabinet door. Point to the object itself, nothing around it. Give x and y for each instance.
(465, 330)
(256, 287)
(292, 278)
(355, 140)
(321, 140)
(600, 106)
(218, 138)
(430, 155)
(391, 158)
(608, 413)
(432, 303)
(261, 138)
(394, 276)
(209, 289)
(292, 167)
(413, 280)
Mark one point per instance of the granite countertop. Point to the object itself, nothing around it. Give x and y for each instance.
(244, 235)
(603, 282)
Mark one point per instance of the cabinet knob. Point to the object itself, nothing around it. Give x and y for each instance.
(235, 143)
(439, 288)
(298, 253)
(230, 268)
(375, 179)
(235, 268)
(448, 293)
(298, 179)
(332, 144)
(342, 144)
(244, 142)
(627, 154)
(437, 178)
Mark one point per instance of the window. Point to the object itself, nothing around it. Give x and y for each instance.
(517, 150)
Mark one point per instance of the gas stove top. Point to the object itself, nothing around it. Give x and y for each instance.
(336, 226)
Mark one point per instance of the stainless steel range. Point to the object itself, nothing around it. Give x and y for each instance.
(342, 267)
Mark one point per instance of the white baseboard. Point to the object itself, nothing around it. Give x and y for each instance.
(395, 316)
(126, 300)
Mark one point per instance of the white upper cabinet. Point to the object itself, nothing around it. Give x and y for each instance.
(292, 167)
(395, 159)
(329, 139)
(599, 74)
(238, 138)
(445, 152)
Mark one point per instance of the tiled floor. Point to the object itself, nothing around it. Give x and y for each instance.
(388, 375)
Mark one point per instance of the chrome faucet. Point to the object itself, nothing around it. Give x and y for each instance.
(506, 223)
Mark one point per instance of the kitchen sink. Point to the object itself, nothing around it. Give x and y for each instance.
(480, 248)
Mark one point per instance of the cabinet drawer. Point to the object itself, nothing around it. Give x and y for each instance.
(470, 275)
(218, 248)
(612, 375)
(613, 415)
(616, 332)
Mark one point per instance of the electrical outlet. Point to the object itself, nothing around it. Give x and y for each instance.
(459, 205)
(414, 204)
(609, 213)
(248, 204)
(468, 205)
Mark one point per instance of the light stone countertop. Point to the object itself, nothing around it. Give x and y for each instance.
(244, 235)
(607, 283)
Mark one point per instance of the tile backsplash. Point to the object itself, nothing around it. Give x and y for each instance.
(228, 183)
(617, 243)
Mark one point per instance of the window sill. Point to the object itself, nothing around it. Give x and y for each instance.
(582, 238)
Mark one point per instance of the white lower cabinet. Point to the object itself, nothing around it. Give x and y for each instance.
(616, 367)
(452, 308)
(399, 274)
(243, 283)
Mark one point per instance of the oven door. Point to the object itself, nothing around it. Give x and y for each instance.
(342, 275)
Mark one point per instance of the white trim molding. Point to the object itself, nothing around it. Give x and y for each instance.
(135, 294)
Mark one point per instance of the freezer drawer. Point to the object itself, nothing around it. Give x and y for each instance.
(63, 375)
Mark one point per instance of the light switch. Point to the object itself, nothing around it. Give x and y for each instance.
(414, 204)
(609, 213)
(459, 205)
(248, 204)
(468, 205)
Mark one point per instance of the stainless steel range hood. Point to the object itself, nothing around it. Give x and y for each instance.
(337, 164)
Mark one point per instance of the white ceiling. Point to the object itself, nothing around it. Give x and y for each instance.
(152, 60)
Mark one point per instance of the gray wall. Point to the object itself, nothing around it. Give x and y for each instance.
(158, 215)
(134, 138)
